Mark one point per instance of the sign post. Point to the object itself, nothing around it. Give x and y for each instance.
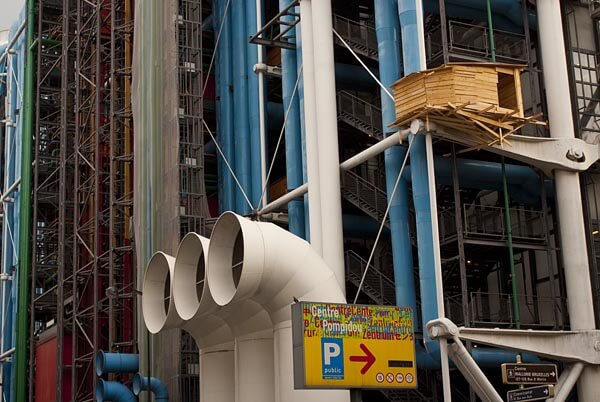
(519, 373)
(540, 393)
(353, 346)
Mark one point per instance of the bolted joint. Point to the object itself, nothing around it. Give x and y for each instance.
(442, 328)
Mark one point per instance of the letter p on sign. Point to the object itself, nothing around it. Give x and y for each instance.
(330, 350)
(332, 358)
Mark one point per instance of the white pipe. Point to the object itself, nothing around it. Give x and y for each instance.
(213, 338)
(568, 192)
(207, 321)
(566, 385)
(276, 266)
(310, 124)
(348, 164)
(439, 284)
(261, 108)
(327, 133)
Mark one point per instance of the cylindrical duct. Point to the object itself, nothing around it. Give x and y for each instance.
(247, 321)
(265, 264)
(152, 384)
(112, 391)
(116, 363)
(158, 306)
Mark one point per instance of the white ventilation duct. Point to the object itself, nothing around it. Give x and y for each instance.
(265, 264)
(247, 321)
(214, 338)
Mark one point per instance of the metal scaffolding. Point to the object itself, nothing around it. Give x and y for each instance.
(83, 271)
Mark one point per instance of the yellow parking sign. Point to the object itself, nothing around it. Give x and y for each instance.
(353, 346)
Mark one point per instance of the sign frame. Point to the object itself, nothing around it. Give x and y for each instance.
(550, 394)
(362, 358)
(529, 368)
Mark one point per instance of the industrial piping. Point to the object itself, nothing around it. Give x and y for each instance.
(116, 363)
(274, 268)
(241, 108)
(293, 140)
(388, 35)
(211, 324)
(213, 337)
(157, 387)
(113, 391)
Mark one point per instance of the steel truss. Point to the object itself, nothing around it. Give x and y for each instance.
(83, 269)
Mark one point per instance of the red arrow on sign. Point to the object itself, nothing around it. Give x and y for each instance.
(368, 359)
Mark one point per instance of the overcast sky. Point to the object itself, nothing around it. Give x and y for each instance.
(9, 10)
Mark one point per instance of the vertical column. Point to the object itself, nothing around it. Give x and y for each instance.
(293, 140)
(327, 131)
(310, 126)
(568, 192)
(390, 70)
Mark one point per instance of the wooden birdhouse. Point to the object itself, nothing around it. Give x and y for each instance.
(482, 98)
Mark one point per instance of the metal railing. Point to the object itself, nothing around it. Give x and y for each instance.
(496, 309)
(377, 285)
(360, 36)
(473, 40)
(365, 195)
(360, 114)
(490, 221)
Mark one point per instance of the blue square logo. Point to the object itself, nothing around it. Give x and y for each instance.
(332, 358)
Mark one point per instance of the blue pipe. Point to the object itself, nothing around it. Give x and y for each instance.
(156, 386)
(255, 189)
(112, 391)
(388, 36)
(225, 104)
(116, 363)
(486, 358)
(12, 172)
(418, 160)
(508, 14)
(302, 126)
(293, 132)
(523, 181)
(240, 104)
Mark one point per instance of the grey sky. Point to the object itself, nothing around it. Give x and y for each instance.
(9, 10)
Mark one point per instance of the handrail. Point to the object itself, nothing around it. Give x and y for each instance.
(366, 192)
(361, 110)
(362, 36)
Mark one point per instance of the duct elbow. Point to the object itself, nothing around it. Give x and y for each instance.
(270, 266)
(112, 391)
(152, 384)
(191, 296)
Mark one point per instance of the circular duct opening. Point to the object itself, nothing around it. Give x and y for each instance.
(190, 276)
(156, 297)
(136, 384)
(100, 363)
(226, 258)
(100, 390)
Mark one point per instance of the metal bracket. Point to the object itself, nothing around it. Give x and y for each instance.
(272, 71)
(566, 346)
(6, 277)
(547, 154)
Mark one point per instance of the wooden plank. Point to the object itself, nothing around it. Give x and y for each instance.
(519, 92)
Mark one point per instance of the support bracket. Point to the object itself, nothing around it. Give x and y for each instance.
(547, 154)
(566, 346)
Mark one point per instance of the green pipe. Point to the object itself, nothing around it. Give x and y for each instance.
(491, 30)
(511, 256)
(25, 211)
